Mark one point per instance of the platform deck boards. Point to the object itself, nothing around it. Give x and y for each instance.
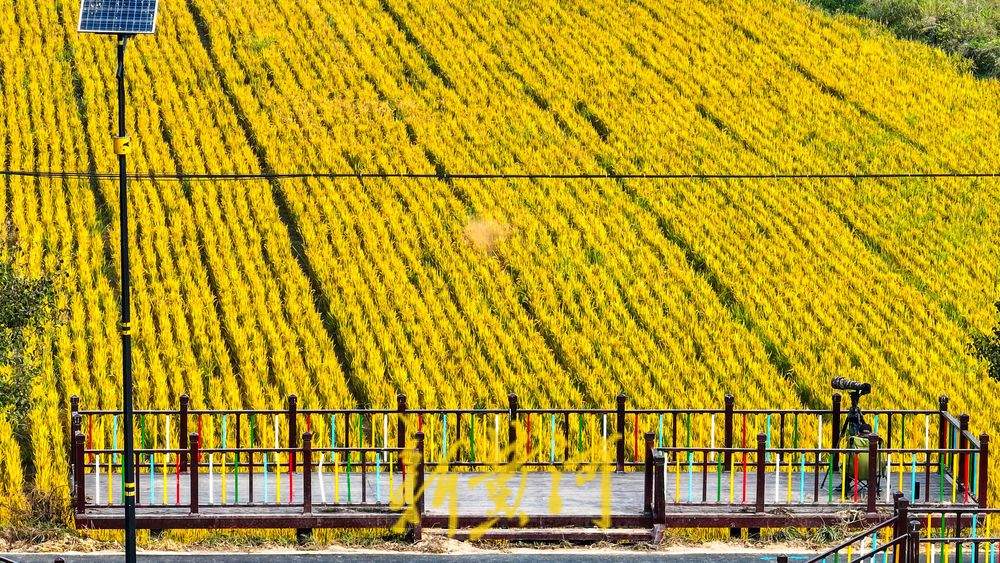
(488, 493)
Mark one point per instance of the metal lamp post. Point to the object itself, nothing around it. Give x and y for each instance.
(124, 19)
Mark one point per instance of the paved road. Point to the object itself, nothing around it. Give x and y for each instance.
(369, 558)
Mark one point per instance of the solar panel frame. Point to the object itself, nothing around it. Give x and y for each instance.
(116, 17)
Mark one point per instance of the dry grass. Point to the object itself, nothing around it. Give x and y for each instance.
(40, 524)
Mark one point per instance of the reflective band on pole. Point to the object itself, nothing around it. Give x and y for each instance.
(123, 146)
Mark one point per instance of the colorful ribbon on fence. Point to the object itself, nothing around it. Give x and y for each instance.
(121, 457)
(659, 441)
(222, 461)
(378, 477)
(266, 488)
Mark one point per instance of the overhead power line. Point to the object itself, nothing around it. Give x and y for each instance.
(333, 175)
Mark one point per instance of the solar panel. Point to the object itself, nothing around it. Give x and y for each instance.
(117, 16)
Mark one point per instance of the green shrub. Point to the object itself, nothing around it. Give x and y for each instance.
(986, 347)
(967, 28)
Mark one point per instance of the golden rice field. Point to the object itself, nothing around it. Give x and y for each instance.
(459, 291)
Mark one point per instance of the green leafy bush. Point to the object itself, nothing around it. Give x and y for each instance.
(968, 28)
(986, 347)
(24, 305)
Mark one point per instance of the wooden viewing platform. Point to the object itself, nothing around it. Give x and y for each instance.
(539, 477)
(544, 497)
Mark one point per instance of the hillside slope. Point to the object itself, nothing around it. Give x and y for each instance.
(457, 291)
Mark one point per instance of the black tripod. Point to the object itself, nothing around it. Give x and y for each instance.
(855, 433)
(854, 421)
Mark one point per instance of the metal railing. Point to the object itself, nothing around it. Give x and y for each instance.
(484, 438)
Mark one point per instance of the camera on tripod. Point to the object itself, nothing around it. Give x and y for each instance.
(844, 384)
(855, 424)
(857, 434)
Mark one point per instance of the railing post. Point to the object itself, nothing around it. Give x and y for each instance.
(728, 430)
(873, 464)
(913, 543)
(897, 527)
(620, 433)
(74, 415)
(902, 514)
(942, 422)
(761, 471)
(647, 496)
(74, 425)
(512, 428)
(659, 492)
(418, 488)
(835, 429)
(193, 475)
(900, 528)
(983, 481)
(293, 404)
(307, 503)
(182, 428)
(401, 421)
(75, 420)
(963, 457)
(78, 469)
